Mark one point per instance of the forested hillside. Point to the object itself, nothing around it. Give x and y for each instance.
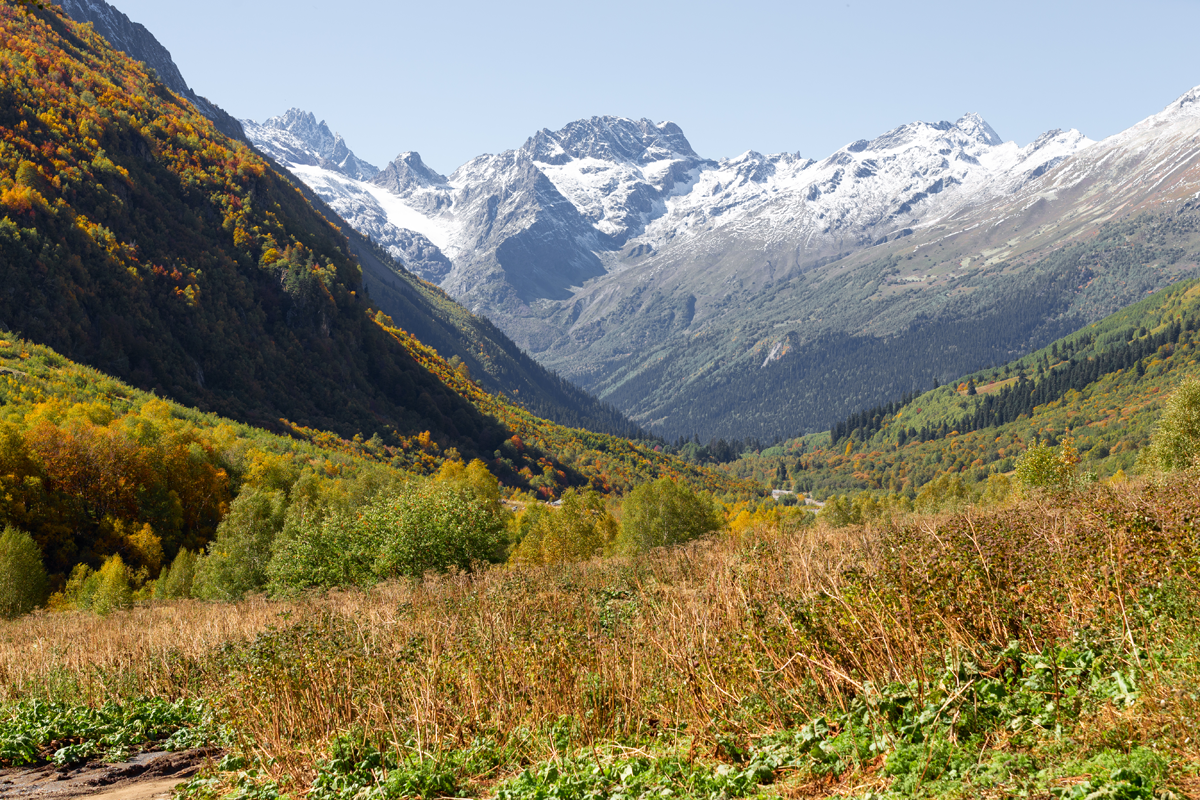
(92, 467)
(1100, 388)
(490, 357)
(138, 240)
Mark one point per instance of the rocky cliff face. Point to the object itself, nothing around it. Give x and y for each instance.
(134, 40)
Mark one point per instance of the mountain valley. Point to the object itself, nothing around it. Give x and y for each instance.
(280, 518)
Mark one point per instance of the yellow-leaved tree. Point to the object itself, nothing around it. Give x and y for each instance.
(582, 527)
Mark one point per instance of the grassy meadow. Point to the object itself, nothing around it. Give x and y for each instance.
(1044, 647)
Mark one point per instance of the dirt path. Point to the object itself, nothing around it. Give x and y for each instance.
(147, 776)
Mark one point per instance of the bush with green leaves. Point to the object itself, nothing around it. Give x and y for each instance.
(23, 581)
(637, 777)
(113, 587)
(236, 561)
(1176, 441)
(1046, 467)
(430, 526)
(103, 591)
(840, 511)
(664, 512)
(358, 768)
(175, 582)
(320, 548)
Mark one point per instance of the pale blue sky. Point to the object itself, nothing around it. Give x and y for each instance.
(455, 79)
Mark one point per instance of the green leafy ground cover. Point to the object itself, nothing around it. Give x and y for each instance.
(36, 731)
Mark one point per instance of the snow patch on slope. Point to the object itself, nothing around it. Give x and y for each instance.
(374, 212)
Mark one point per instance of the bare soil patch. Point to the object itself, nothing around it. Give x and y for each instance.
(146, 776)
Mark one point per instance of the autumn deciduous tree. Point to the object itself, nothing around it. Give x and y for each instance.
(237, 559)
(1046, 467)
(577, 530)
(113, 588)
(177, 580)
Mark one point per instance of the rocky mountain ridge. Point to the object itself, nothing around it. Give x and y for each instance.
(535, 223)
(296, 137)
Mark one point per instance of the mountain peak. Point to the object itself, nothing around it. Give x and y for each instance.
(295, 137)
(304, 126)
(609, 138)
(407, 173)
(1187, 105)
(977, 128)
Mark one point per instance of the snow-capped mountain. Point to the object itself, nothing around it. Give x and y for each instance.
(1154, 163)
(609, 194)
(614, 252)
(864, 194)
(321, 158)
(618, 173)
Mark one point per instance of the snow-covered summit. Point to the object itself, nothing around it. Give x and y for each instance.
(866, 192)
(1140, 167)
(618, 172)
(1188, 104)
(610, 139)
(296, 138)
(977, 128)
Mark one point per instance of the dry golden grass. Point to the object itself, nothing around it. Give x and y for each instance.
(150, 650)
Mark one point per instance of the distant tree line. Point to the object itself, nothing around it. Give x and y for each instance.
(717, 451)
(567, 404)
(865, 424)
(1020, 398)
